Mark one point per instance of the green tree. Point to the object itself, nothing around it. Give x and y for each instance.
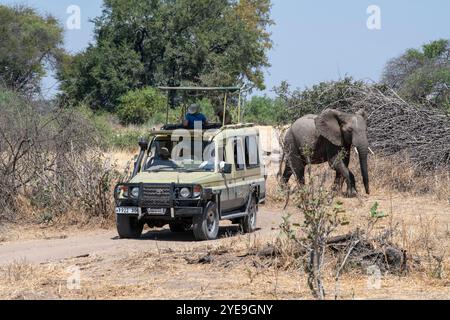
(138, 106)
(28, 44)
(172, 42)
(99, 76)
(422, 74)
(263, 110)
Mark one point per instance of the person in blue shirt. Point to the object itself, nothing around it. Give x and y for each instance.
(194, 115)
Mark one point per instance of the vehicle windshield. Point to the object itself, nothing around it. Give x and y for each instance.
(168, 156)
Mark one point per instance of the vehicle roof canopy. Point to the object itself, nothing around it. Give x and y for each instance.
(225, 90)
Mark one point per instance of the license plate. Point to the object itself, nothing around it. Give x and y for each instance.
(128, 210)
(156, 212)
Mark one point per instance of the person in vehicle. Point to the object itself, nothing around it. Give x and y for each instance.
(163, 161)
(194, 115)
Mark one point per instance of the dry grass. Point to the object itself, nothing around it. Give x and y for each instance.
(168, 274)
(418, 208)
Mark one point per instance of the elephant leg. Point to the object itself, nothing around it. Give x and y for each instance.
(342, 170)
(287, 173)
(298, 166)
(339, 179)
(338, 182)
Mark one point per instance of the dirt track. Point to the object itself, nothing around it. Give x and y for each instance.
(107, 243)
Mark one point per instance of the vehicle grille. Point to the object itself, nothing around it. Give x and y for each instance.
(155, 197)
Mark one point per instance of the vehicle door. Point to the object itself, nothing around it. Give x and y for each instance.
(241, 187)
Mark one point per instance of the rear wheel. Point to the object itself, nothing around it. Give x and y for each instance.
(206, 226)
(129, 227)
(248, 223)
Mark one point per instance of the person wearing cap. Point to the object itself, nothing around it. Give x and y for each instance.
(194, 115)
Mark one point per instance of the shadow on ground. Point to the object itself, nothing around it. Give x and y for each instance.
(187, 236)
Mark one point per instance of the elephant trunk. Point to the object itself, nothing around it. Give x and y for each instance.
(363, 153)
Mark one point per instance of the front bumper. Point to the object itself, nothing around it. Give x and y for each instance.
(160, 196)
(170, 213)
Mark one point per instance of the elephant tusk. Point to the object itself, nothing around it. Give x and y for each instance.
(373, 153)
(356, 150)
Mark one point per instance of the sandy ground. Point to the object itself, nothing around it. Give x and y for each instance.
(68, 263)
(107, 243)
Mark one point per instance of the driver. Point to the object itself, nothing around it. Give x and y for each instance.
(163, 161)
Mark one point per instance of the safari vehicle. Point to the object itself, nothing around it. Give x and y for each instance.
(212, 174)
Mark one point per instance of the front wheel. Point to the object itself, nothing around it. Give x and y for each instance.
(206, 226)
(129, 227)
(248, 223)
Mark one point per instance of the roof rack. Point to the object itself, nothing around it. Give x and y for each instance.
(224, 89)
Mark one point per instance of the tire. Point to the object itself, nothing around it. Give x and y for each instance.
(129, 227)
(206, 226)
(178, 227)
(248, 223)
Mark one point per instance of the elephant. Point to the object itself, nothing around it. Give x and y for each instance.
(329, 137)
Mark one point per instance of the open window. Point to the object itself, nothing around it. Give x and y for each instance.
(238, 152)
(252, 152)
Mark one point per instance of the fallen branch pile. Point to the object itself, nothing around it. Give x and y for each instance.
(354, 250)
(395, 127)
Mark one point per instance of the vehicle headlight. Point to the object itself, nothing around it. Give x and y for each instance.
(122, 192)
(197, 191)
(135, 192)
(185, 193)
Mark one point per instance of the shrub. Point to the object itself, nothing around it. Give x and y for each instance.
(51, 159)
(263, 110)
(126, 139)
(138, 106)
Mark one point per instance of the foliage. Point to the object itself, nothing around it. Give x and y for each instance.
(263, 110)
(138, 106)
(28, 44)
(374, 213)
(161, 42)
(99, 76)
(422, 75)
(321, 216)
(51, 158)
(126, 139)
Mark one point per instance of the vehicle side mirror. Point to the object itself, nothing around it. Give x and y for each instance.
(143, 143)
(225, 167)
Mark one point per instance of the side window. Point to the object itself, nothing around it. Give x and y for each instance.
(239, 159)
(222, 147)
(251, 152)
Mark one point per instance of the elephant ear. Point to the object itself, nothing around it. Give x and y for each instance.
(327, 123)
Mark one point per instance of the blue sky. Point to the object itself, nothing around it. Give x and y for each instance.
(314, 40)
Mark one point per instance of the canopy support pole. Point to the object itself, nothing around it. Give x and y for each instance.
(167, 108)
(224, 109)
(239, 108)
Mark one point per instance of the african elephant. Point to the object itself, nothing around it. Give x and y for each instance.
(329, 137)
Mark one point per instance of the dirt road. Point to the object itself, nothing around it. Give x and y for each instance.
(106, 243)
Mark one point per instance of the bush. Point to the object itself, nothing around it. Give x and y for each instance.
(263, 110)
(50, 158)
(138, 106)
(126, 139)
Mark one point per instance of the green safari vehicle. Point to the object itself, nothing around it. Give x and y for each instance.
(193, 179)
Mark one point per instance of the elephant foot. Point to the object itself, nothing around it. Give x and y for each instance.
(337, 190)
(351, 193)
